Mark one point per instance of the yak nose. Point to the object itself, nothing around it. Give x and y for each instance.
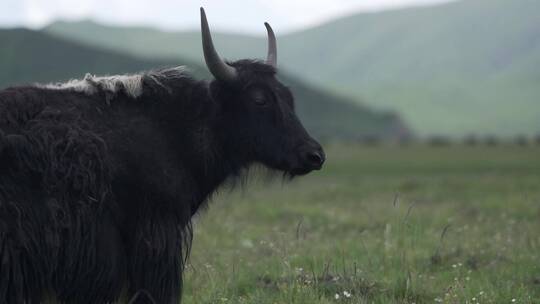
(315, 158)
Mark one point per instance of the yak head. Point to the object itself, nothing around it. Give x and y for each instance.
(256, 111)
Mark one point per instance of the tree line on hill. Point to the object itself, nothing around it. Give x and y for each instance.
(470, 140)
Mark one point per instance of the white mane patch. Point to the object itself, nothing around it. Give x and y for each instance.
(131, 85)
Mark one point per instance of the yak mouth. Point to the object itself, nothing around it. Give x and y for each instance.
(300, 171)
(290, 170)
(299, 166)
(297, 170)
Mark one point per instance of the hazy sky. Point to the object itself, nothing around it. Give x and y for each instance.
(239, 16)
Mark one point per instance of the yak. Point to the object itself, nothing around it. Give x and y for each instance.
(100, 177)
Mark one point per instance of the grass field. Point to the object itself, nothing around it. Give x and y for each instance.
(378, 225)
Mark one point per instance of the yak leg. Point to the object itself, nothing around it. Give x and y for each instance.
(98, 273)
(23, 266)
(156, 262)
(19, 282)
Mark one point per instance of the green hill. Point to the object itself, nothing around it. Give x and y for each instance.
(28, 56)
(457, 68)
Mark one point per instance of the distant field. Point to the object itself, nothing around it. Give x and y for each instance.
(379, 225)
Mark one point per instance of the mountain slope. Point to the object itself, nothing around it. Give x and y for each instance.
(457, 68)
(28, 56)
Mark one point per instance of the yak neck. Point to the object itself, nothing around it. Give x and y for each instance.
(214, 155)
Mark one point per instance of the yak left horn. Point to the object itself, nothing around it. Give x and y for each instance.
(219, 68)
(271, 58)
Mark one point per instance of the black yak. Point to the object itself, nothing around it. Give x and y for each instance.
(100, 177)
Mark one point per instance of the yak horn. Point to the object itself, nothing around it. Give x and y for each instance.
(216, 65)
(271, 59)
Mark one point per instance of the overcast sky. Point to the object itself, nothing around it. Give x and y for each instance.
(226, 15)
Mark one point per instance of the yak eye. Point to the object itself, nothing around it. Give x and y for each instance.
(259, 98)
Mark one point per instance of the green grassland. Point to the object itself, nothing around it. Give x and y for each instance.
(412, 224)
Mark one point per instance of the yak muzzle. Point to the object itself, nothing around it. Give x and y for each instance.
(310, 157)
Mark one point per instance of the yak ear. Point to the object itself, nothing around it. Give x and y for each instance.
(218, 93)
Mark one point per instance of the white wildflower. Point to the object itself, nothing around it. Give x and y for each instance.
(247, 243)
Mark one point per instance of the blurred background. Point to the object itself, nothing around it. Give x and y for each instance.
(430, 115)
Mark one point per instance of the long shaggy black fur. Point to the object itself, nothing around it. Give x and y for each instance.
(97, 190)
